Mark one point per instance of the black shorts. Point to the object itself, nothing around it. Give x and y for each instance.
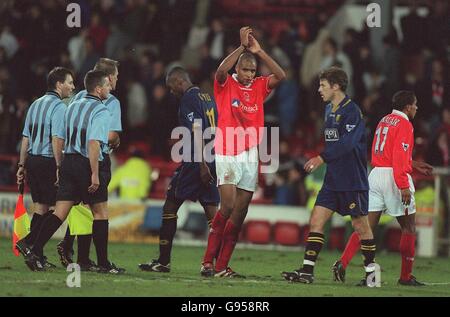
(75, 179)
(41, 178)
(186, 184)
(353, 203)
(106, 168)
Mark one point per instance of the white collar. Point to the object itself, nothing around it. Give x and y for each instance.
(235, 78)
(400, 113)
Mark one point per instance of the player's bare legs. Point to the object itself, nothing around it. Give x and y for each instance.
(408, 250)
(319, 217)
(233, 227)
(228, 194)
(362, 227)
(210, 212)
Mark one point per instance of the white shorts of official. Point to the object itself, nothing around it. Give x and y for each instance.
(240, 170)
(384, 195)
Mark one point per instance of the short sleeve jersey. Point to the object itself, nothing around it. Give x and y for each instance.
(393, 145)
(239, 107)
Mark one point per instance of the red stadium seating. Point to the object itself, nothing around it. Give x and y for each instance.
(258, 231)
(304, 231)
(337, 238)
(392, 239)
(287, 233)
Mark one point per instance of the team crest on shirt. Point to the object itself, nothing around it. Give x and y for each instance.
(190, 116)
(405, 146)
(352, 206)
(246, 96)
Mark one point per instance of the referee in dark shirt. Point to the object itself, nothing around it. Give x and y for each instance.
(41, 150)
(83, 177)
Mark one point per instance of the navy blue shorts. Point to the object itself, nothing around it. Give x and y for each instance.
(187, 185)
(353, 203)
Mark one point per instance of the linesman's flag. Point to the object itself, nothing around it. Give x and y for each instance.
(21, 221)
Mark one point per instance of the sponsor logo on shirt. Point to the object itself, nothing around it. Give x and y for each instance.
(249, 109)
(331, 135)
(405, 146)
(190, 116)
(349, 127)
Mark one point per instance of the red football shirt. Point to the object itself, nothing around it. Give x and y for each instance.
(240, 107)
(393, 146)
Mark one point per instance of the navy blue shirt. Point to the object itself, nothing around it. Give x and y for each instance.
(45, 119)
(197, 107)
(345, 148)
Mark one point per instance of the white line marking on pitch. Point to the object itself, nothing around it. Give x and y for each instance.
(431, 284)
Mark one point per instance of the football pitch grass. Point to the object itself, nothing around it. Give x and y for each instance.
(262, 268)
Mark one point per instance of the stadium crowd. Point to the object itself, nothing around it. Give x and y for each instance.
(147, 37)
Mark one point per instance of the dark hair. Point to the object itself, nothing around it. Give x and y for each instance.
(93, 79)
(178, 72)
(335, 76)
(107, 65)
(57, 74)
(246, 56)
(403, 98)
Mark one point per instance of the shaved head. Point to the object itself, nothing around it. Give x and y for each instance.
(246, 57)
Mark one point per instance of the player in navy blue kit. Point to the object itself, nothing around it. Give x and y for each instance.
(195, 179)
(345, 188)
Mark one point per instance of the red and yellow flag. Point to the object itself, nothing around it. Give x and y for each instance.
(21, 223)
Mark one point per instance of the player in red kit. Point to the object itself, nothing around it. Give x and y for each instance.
(391, 185)
(239, 99)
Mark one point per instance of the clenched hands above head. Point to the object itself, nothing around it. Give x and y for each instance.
(254, 46)
(244, 33)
